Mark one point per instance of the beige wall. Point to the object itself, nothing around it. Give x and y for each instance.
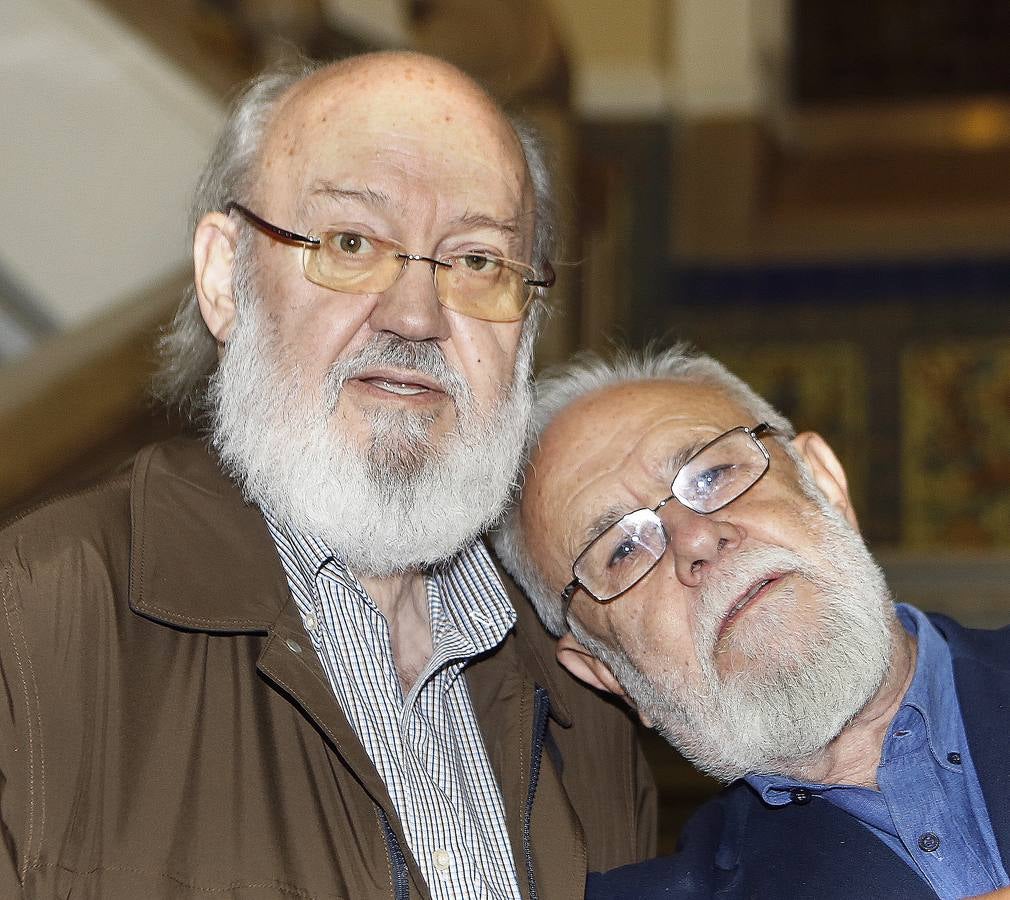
(696, 58)
(101, 141)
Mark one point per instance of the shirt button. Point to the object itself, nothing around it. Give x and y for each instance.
(801, 796)
(442, 859)
(311, 623)
(293, 645)
(929, 842)
(954, 758)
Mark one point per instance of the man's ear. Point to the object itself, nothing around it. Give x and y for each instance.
(586, 667)
(213, 262)
(828, 473)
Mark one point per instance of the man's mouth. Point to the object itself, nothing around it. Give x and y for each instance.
(744, 602)
(401, 384)
(397, 387)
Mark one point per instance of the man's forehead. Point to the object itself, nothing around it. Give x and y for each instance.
(605, 448)
(622, 416)
(378, 108)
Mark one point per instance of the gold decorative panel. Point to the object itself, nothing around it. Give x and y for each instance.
(955, 456)
(820, 386)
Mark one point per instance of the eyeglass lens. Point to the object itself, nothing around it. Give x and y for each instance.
(630, 548)
(476, 285)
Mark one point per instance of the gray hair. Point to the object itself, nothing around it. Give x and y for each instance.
(588, 373)
(187, 350)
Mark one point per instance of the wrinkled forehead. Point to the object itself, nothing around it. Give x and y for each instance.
(395, 127)
(618, 449)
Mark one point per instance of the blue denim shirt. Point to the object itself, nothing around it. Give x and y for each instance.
(929, 809)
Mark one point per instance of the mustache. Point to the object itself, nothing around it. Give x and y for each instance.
(745, 568)
(392, 351)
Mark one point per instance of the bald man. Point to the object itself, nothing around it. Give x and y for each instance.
(279, 662)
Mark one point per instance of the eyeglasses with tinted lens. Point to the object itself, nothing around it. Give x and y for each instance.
(716, 475)
(476, 284)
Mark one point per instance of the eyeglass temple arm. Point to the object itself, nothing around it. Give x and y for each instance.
(548, 279)
(566, 598)
(291, 237)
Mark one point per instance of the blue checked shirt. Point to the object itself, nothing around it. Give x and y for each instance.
(929, 809)
(427, 746)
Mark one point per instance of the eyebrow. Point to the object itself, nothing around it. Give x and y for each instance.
(610, 516)
(476, 220)
(678, 460)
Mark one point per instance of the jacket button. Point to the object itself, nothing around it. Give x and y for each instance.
(293, 645)
(954, 759)
(929, 842)
(801, 796)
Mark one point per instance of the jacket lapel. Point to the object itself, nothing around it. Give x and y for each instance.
(983, 688)
(221, 573)
(503, 690)
(201, 558)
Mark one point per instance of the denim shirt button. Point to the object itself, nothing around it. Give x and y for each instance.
(929, 842)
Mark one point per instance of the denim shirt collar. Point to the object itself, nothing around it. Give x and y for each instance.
(931, 696)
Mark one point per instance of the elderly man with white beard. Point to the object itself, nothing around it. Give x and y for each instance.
(702, 561)
(279, 661)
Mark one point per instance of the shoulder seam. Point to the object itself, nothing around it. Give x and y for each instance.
(56, 498)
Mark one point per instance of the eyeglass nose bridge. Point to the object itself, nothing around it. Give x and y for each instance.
(419, 257)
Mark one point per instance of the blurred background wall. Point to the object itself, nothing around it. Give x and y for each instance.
(819, 193)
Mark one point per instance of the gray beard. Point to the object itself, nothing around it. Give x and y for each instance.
(799, 689)
(399, 504)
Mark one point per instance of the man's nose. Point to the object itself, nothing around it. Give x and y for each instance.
(697, 541)
(409, 307)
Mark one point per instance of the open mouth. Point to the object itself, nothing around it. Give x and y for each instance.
(403, 388)
(400, 384)
(745, 601)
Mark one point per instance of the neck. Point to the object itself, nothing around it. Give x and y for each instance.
(853, 756)
(403, 600)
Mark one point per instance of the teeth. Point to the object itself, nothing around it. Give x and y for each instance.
(750, 595)
(398, 387)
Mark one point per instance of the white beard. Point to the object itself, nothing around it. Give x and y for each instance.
(800, 687)
(399, 505)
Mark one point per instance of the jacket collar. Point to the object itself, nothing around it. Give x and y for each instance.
(201, 558)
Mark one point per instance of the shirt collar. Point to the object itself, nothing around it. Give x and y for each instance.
(465, 595)
(931, 694)
(202, 558)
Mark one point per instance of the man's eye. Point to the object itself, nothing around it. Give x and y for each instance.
(349, 242)
(628, 547)
(707, 481)
(478, 262)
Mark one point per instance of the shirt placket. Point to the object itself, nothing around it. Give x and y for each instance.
(923, 819)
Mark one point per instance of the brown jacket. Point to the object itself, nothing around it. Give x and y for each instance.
(167, 731)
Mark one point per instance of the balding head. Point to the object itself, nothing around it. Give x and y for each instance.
(404, 104)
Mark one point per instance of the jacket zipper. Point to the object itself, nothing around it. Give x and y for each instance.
(397, 862)
(541, 709)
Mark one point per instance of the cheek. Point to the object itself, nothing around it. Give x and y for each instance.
(317, 326)
(485, 352)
